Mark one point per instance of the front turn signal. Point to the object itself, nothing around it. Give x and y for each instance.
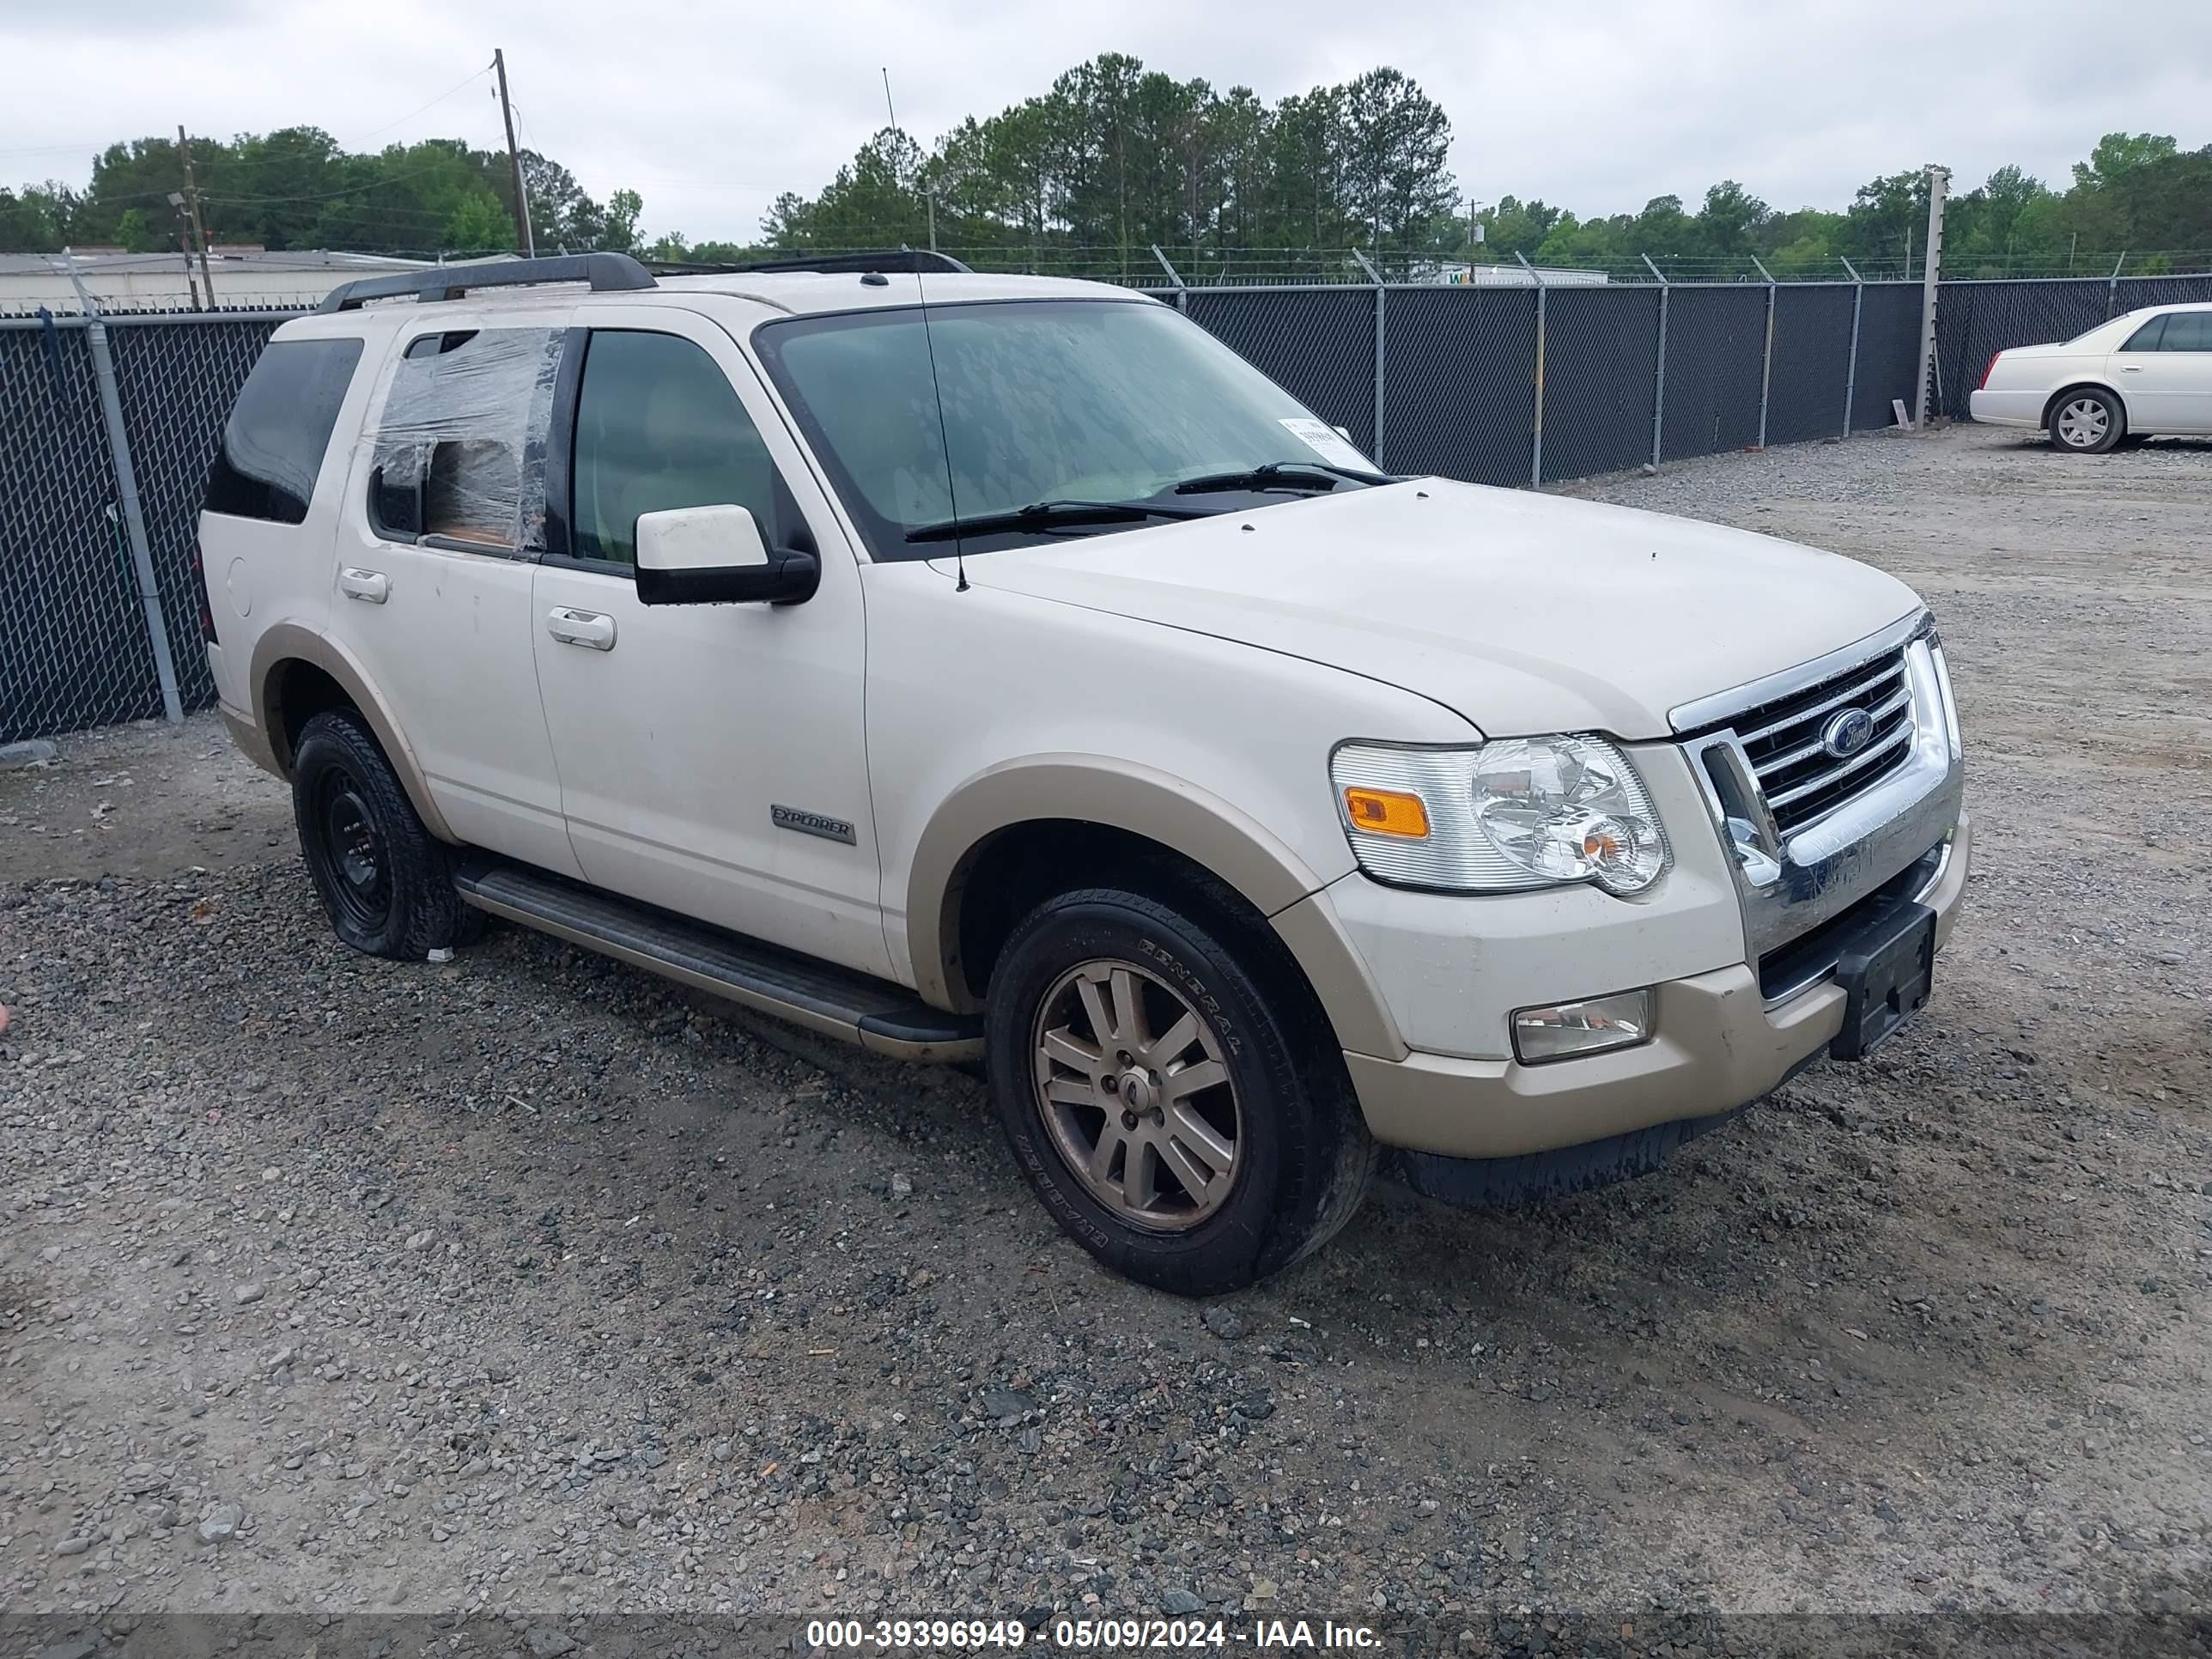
(1386, 812)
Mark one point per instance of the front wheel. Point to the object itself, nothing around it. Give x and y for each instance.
(2088, 421)
(1174, 1103)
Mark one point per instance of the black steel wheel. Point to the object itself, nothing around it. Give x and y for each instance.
(386, 882)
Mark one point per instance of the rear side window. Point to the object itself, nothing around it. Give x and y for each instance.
(2187, 330)
(279, 429)
(460, 447)
(2146, 338)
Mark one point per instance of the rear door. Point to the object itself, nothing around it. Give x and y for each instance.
(444, 518)
(2164, 370)
(712, 758)
(2186, 365)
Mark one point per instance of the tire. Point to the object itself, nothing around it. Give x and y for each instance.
(2087, 421)
(387, 883)
(1179, 1218)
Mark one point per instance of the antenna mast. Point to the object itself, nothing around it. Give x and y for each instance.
(944, 436)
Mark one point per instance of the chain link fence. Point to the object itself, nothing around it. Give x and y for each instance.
(1541, 382)
(74, 650)
(1975, 320)
(1505, 385)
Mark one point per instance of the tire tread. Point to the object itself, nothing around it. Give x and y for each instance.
(426, 913)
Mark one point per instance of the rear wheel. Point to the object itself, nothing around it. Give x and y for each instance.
(1166, 1097)
(386, 882)
(2087, 421)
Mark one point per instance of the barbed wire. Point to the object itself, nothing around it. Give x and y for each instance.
(1137, 267)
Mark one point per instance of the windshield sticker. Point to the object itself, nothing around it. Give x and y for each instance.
(1326, 441)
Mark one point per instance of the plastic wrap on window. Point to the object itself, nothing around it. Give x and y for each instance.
(463, 431)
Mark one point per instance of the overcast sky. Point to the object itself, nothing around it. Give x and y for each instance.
(709, 111)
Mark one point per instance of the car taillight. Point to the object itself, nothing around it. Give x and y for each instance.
(207, 603)
(1990, 369)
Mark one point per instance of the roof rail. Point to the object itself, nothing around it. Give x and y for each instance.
(606, 273)
(904, 260)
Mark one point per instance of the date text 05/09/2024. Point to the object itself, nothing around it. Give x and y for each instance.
(1089, 1635)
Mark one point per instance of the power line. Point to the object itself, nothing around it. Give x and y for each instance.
(329, 196)
(433, 104)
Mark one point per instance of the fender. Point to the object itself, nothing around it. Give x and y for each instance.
(289, 641)
(1209, 831)
(2097, 382)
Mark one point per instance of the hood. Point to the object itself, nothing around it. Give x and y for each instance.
(1524, 613)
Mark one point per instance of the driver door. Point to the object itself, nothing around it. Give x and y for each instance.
(712, 757)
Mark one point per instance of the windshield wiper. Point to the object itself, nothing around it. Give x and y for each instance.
(1050, 515)
(1276, 475)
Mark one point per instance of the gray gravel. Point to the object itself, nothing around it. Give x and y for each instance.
(525, 1283)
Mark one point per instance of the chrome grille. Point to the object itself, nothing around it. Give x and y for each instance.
(1802, 780)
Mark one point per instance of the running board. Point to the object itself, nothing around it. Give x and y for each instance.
(837, 1002)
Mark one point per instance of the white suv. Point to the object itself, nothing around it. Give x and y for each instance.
(977, 666)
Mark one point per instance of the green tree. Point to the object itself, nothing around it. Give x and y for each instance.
(2119, 154)
(1395, 140)
(136, 233)
(1729, 222)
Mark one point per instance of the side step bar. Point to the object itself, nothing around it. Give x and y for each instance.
(837, 1002)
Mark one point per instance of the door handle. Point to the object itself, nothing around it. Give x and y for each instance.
(370, 586)
(2130, 368)
(588, 629)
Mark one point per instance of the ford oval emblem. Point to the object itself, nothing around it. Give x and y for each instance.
(1848, 731)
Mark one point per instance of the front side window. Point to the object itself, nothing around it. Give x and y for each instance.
(460, 447)
(659, 425)
(1113, 402)
(274, 442)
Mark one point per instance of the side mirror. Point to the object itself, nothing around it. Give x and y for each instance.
(716, 555)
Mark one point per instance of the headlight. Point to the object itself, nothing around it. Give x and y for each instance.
(1518, 813)
(1943, 688)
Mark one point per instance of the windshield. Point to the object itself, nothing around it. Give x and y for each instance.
(1087, 402)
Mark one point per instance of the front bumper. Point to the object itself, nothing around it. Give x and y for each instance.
(1716, 1045)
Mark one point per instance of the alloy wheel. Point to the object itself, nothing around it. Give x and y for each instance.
(1136, 1096)
(2083, 422)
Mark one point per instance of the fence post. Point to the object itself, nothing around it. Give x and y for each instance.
(1767, 361)
(1931, 272)
(1537, 427)
(1659, 381)
(1851, 372)
(1382, 296)
(126, 489)
(2112, 287)
(1173, 276)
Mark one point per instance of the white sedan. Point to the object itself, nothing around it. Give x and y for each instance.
(2146, 374)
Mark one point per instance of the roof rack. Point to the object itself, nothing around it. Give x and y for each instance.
(607, 273)
(904, 260)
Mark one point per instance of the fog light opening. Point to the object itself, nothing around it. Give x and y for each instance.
(1566, 1030)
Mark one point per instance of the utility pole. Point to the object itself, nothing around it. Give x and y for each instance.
(1931, 271)
(514, 159)
(184, 247)
(192, 203)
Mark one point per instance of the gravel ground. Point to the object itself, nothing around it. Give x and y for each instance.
(526, 1284)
